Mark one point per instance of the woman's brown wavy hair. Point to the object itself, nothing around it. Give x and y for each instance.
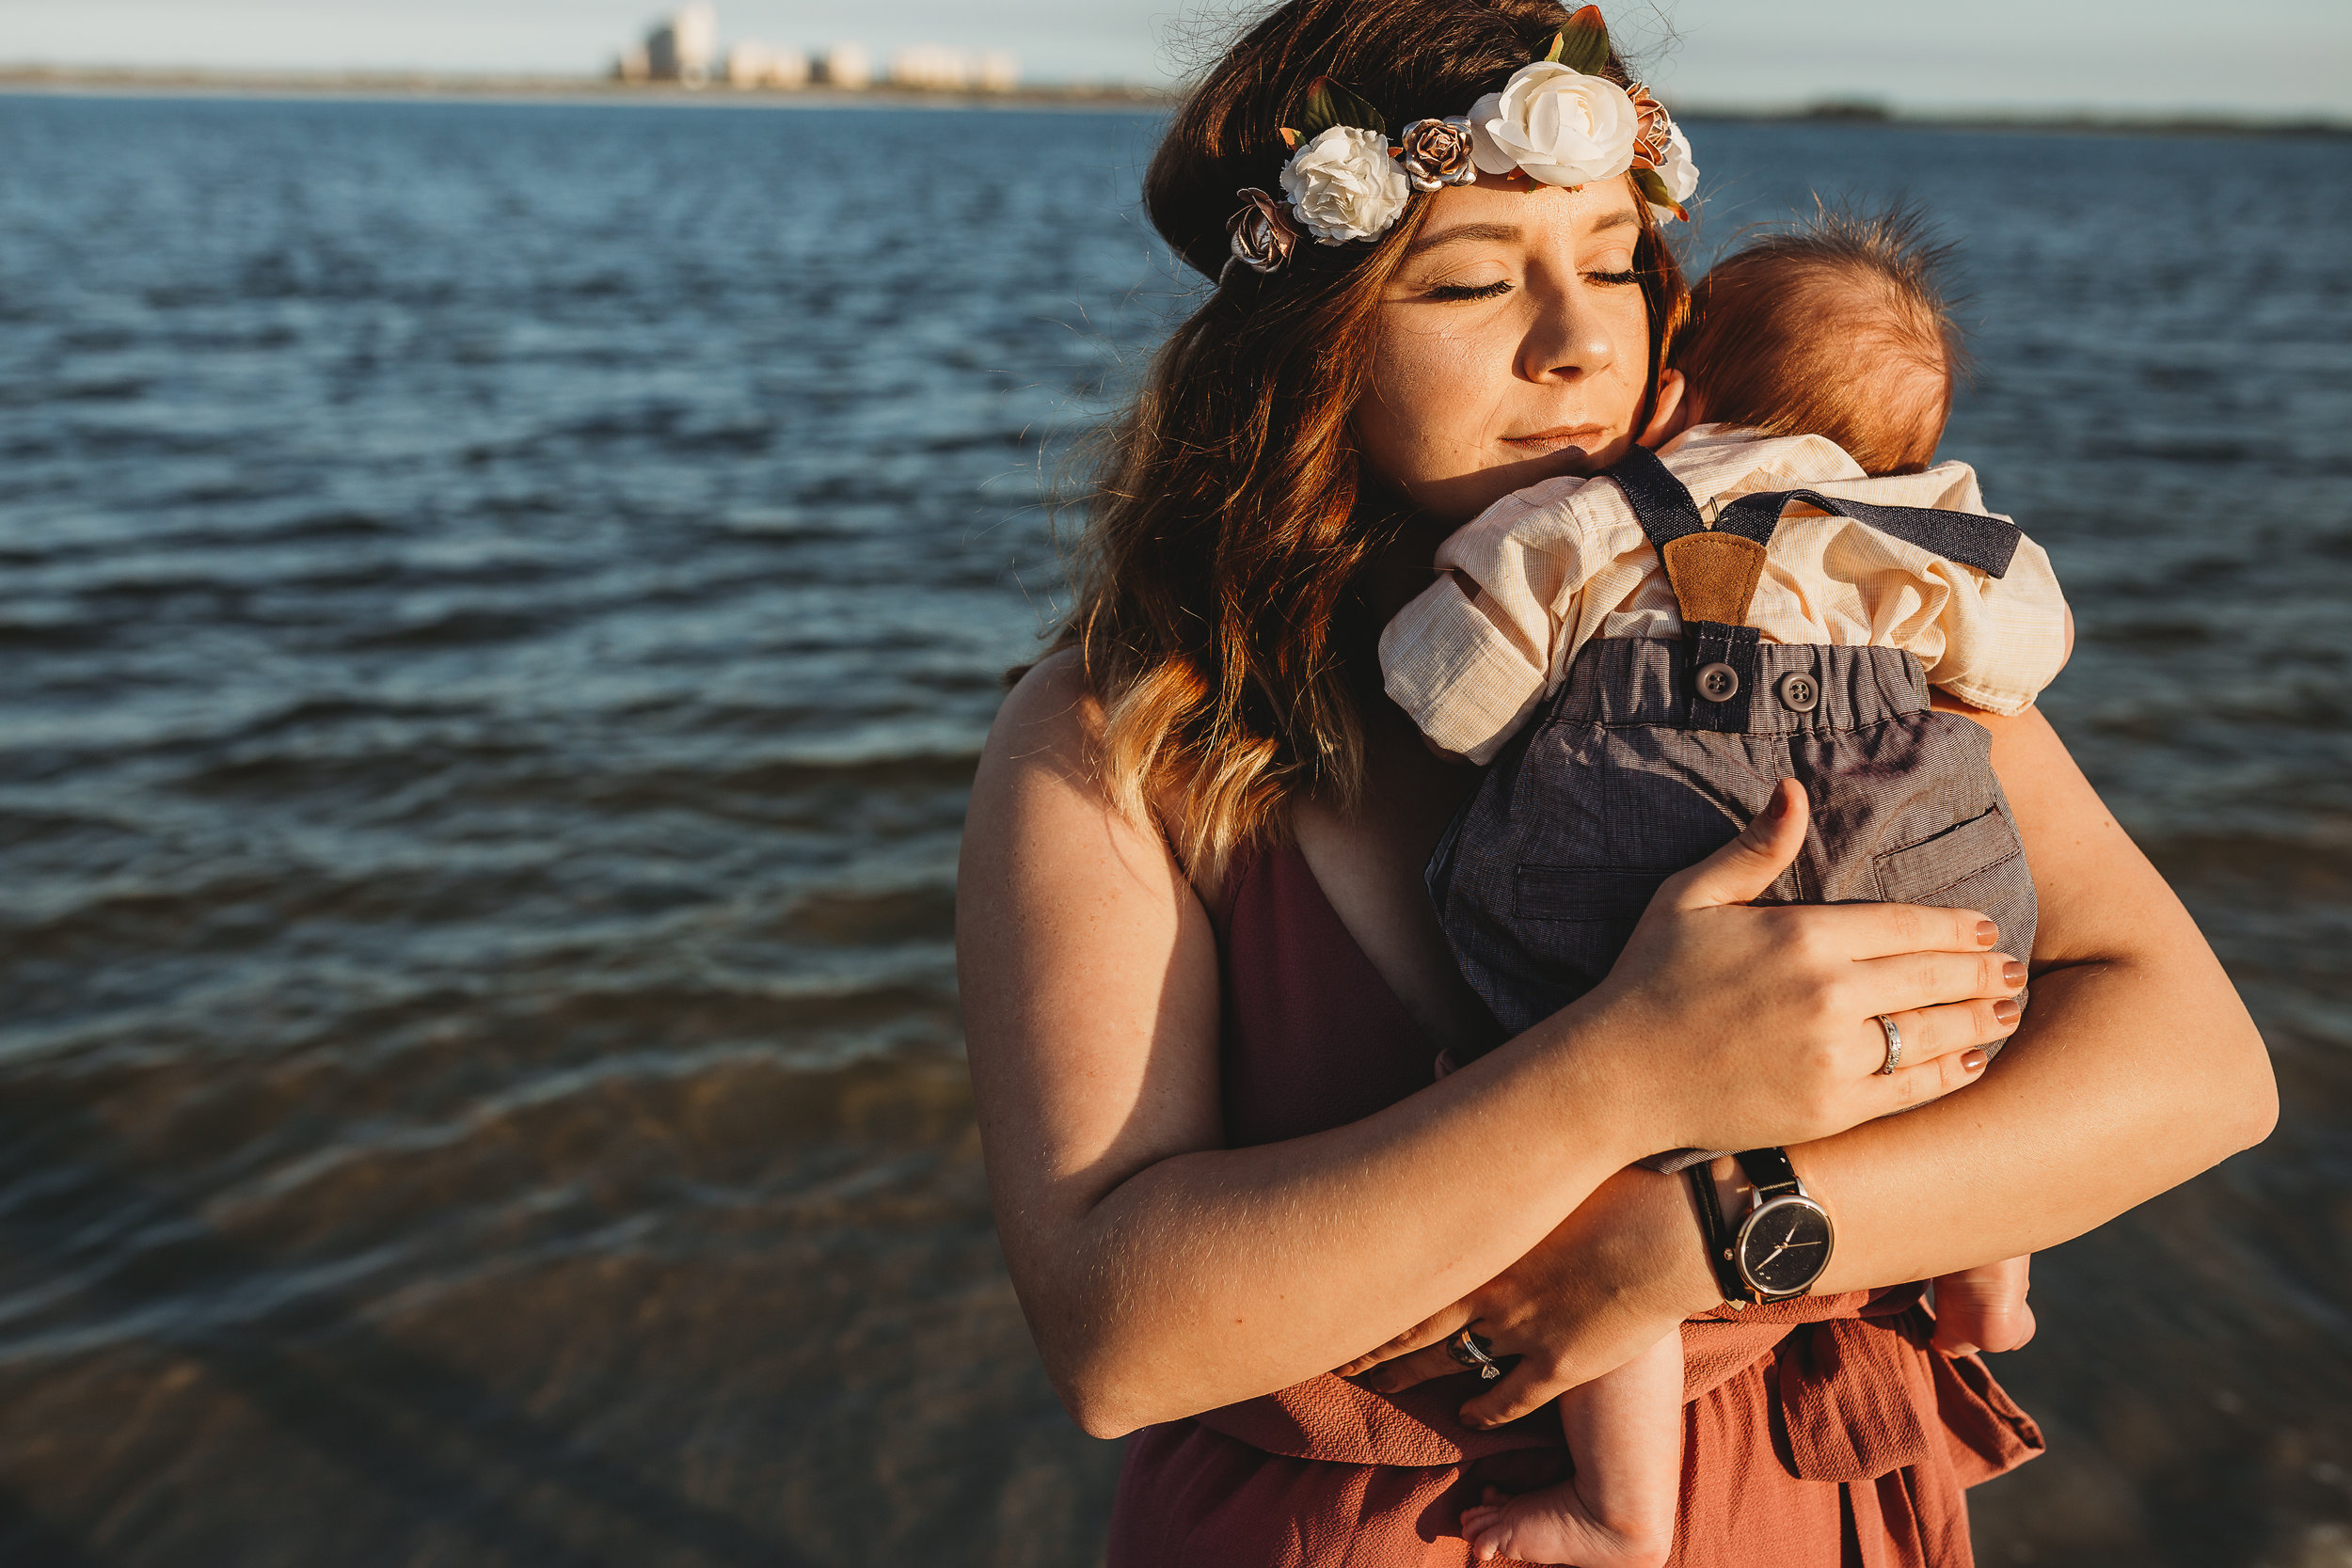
(1229, 521)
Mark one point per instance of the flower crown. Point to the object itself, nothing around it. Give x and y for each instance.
(1557, 121)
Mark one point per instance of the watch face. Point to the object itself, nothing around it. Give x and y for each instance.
(1784, 1247)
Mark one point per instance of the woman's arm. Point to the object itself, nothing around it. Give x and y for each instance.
(1165, 1274)
(2135, 1067)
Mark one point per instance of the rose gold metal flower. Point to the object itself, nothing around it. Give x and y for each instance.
(1263, 233)
(1657, 131)
(1437, 154)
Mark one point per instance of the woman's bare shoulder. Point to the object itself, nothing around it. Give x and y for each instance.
(1047, 739)
(1050, 720)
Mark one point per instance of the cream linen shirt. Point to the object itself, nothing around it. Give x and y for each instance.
(1543, 571)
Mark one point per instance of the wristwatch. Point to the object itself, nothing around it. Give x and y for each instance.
(1780, 1246)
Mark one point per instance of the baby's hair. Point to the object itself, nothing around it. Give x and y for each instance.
(1840, 326)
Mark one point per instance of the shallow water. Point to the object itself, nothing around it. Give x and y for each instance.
(502, 604)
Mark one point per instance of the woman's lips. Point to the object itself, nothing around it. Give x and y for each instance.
(1584, 436)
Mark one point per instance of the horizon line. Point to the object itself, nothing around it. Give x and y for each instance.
(536, 85)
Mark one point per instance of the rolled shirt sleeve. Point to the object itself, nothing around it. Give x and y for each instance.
(1468, 684)
(1472, 655)
(2003, 638)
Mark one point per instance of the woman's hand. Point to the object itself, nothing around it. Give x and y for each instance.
(1617, 1274)
(1759, 1026)
(1770, 1015)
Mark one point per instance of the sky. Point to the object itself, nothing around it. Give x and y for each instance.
(2255, 58)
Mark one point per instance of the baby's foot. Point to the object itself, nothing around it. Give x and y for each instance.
(1983, 1308)
(1554, 1525)
(1966, 1330)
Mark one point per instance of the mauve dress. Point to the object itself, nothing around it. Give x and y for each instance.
(1820, 1431)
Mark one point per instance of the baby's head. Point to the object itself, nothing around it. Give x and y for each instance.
(1840, 329)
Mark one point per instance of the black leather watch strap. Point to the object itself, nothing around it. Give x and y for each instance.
(1718, 1232)
(1768, 1172)
(1773, 1176)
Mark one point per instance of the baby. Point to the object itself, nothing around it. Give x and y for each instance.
(1642, 661)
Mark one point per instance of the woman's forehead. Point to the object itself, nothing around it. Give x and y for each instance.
(1507, 212)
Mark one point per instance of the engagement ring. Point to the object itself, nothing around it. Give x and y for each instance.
(1470, 1351)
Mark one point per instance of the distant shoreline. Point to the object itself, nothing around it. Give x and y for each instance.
(489, 88)
(366, 86)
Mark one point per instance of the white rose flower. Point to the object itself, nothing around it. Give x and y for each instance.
(1558, 126)
(1679, 172)
(1345, 187)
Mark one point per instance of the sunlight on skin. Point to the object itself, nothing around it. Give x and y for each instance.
(1514, 345)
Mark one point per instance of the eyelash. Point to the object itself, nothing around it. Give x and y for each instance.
(1451, 291)
(1470, 291)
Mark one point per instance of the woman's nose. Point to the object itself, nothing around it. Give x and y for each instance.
(1564, 341)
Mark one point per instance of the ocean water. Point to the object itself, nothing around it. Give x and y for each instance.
(499, 606)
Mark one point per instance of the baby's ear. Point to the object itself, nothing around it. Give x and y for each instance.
(1672, 413)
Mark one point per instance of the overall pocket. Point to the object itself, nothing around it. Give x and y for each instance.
(1977, 864)
(1574, 920)
(1943, 869)
(1584, 891)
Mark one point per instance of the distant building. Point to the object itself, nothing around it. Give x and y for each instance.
(999, 71)
(846, 65)
(929, 66)
(681, 49)
(751, 64)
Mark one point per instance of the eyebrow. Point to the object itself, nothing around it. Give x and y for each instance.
(1507, 233)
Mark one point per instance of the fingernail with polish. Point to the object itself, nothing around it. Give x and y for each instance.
(1973, 1061)
(2013, 973)
(2006, 1011)
(1987, 933)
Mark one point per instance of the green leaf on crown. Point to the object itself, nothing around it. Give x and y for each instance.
(1328, 103)
(1653, 189)
(1583, 43)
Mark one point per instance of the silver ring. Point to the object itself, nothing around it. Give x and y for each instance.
(1465, 1347)
(1894, 1045)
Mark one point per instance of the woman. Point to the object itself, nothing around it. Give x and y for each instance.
(1205, 989)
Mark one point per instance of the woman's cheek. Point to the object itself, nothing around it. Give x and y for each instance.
(1631, 366)
(1429, 409)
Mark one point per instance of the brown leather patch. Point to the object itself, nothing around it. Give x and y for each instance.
(1715, 575)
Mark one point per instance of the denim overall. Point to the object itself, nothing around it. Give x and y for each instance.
(1654, 755)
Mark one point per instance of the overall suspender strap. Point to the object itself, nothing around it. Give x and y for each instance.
(1659, 500)
(1713, 572)
(1987, 544)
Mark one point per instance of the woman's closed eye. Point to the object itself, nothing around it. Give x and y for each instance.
(1450, 292)
(1495, 290)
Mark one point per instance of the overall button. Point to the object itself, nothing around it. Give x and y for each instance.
(1799, 694)
(1718, 683)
